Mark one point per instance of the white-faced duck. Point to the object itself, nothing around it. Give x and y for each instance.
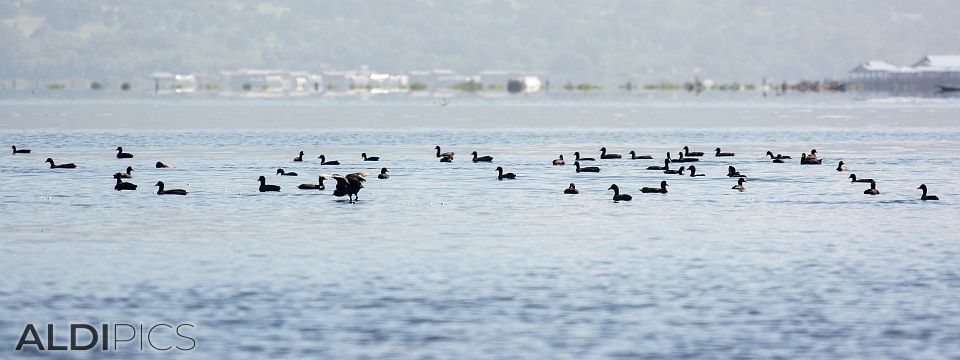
(383, 174)
(501, 175)
(61, 166)
(687, 152)
(634, 156)
(841, 166)
(123, 155)
(349, 185)
(323, 161)
(693, 171)
(923, 197)
(481, 158)
(686, 159)
(732, 172)
(128, 174)
(576, 157)
(317, 186)
(666, 166)
(675, 172)
(739, 185)
(285, 173)
(770, 153)
(161, 165)
(372, 158)
(617, 196)
(299, 157)
(572, 189)
(586, 168)
(652, 190)
(559, 161)
(853, 178)
(122, 185)
(722, 154)
(446, 159)
(446, 154)
(873, 189)
(161, 191)
(264, 187)
(21, 151)
(604, 155)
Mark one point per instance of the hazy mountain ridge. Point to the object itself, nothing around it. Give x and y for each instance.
(604, 40)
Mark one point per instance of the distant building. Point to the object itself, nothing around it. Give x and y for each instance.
(932, 73)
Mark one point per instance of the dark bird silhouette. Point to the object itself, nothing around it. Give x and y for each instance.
(161, 165)
(383, 174)
(372, 158)
(585, 169)
(501, 175)
(732, 172)
(448, 154)
(810, 159)
(481, 158)
(739, 185)
(299, 157)
(317, 186)
(128, 174)
(559, 161)
(634, 156)
(666, 166)
(617, 196)
(841, 166)
(770, 153)
(323, 161)
(578, 158)
(264, 187)
(123, 155)
(722, 154)
(604, 155)
(122, 185)
(853, 178)
(778, 159)
(674, 172)
(349, 185)
(693, 171)
(285, 173)
(572, 189)
(61, 166)
(873, 189)
(446, 159)
(161, 191)
(652, 190)
(923, 197)
(21, 151)
(687, 152)
(686, 159)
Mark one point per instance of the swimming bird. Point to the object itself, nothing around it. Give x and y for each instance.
(853, 178)
(586, 169)
(721, 154)
(21, 151)
(841, 166)
(317, 186)
(739, 185)
(778, 159)
(446, 159)
(501, 175)
(813, 154)
(299, 157)
(383, 174)
(873, 189)
(923, 197)
(666, 165)
(674, 172)
(61, 166)
(578, 158)
(693, 171)
(481, 158)
(687, 152)
(732, 172)
(559, 161)
(161, 191)
(123, 155)
(617, 196)
(285, 173)
(685, 159)
(660, 190)
(128, 174)
(634, 156)
(446, 154)
(349, 185)
(770, 153)
(604, 155)
(372, 158)
(571, 190)
(807, 160)
(323, 161)
(264, 187)
(122, 185)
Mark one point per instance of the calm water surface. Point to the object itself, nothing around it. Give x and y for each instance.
(444, 261)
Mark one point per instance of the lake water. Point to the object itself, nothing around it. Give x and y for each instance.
(444, 261)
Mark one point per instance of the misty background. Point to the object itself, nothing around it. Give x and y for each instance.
(576, 40)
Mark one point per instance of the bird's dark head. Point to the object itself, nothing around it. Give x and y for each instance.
(49, 160)
(129, 168)
(852, 176)
(572, 186)
(769, 152)
(437, 147)
(813, 151)
(663, 184)
(717, 150)
(280, 171)
(576, 163)
(116, 176)
(261, 179)
(632, 152)
(383, 170)
(612, 187)
(159, 183)
(561, 156)
(119, 148)
(603, 149)
(692, 168)
(499, 168)
(686, 148)
(731, 169)
(682, 169)
(841, 163)
(474, 153)
(923, 186)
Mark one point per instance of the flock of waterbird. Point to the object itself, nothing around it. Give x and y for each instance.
(350, 184)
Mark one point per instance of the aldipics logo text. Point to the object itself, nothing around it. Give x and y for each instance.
(108, 337)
